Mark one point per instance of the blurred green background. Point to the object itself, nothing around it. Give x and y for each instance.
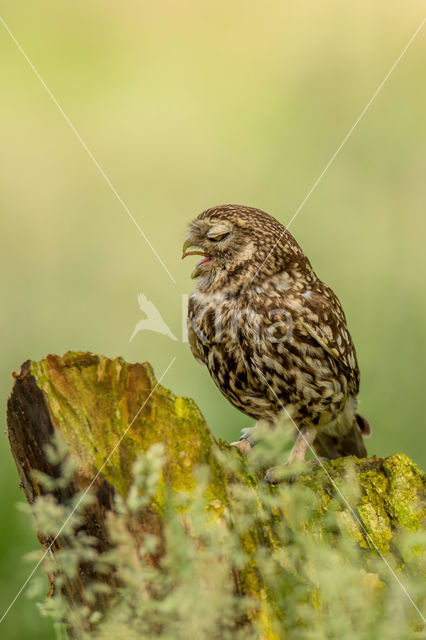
(185, 105)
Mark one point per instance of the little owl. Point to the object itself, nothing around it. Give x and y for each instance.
(272, 335)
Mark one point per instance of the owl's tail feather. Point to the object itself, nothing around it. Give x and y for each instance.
(364, 425)
(351, 444)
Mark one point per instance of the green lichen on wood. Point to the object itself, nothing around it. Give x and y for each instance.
(389, 493)
(109, 411)
(95, 401)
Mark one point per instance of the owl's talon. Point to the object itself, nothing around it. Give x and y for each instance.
(280, 473)
(318, 462)
(275, 475)
(243, 445)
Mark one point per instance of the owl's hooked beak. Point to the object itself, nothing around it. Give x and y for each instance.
(206, 257)
(188, 243)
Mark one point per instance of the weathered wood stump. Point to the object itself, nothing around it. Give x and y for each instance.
(108, 411)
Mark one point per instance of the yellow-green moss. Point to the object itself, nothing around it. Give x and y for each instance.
(96, 401)
(110, 409)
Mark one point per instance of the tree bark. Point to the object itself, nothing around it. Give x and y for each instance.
(110, 410)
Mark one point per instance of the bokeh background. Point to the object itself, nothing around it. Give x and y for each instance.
(186, 104)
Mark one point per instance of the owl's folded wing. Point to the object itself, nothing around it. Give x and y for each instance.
(322, 317)
(317, 317)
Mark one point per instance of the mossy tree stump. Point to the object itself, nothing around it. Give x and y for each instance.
(108, 411)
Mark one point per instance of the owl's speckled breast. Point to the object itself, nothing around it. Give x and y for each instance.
(262, 363)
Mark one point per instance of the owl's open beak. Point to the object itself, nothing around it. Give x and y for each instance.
(206, 257)
(188, 243)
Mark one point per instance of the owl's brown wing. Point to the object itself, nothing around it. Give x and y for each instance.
(322, 317)
(317, 318)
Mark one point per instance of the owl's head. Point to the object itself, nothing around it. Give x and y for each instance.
(237, 243)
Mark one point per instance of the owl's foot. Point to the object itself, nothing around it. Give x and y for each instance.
(287, 472)
(318, 461)
(245, 443)
(296, 460)
(280, 473)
